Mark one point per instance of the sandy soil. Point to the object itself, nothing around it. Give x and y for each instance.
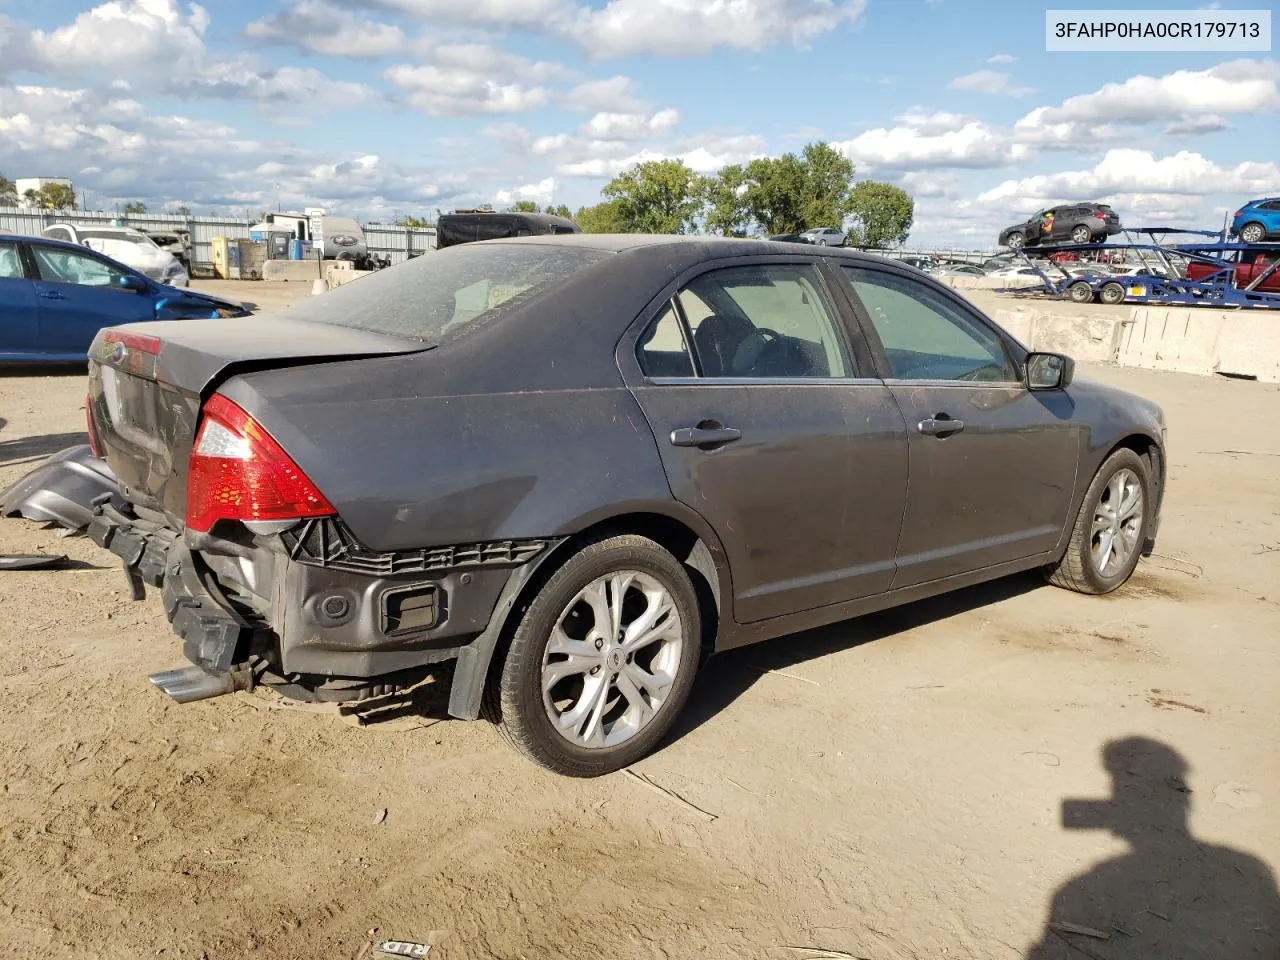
(890, 787)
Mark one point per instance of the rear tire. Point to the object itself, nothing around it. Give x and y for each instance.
(1253, 233)
(1081, 234)
(1110, 530)
(575, 694)
(1111, 293)
(1080, 292)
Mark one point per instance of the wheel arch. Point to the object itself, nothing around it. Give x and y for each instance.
(676, 528)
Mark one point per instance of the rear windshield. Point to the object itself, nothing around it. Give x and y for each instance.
(442, 295)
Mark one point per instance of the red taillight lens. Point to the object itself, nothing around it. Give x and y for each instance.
(1100, 216)
(239, 472)
(94, 448)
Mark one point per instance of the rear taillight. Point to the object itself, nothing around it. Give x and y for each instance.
(239, 472)
(1100, 216)
(94, 447)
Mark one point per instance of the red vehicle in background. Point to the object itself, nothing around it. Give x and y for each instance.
(1251, 265)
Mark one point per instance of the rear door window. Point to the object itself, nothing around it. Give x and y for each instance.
(10, 261)
(662, 350)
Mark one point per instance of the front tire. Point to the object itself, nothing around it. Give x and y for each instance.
(1015, 240)
(602, 660)
(1110, 529)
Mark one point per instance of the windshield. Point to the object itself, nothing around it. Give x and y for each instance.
(447, 293)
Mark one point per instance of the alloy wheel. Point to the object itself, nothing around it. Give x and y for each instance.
(612, 659)
(1117, 523)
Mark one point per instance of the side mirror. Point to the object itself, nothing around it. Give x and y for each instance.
(127, 281)
(1049, 371)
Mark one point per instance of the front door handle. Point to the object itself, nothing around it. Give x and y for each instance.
(940, 426)
(53, 295)
(707, 435)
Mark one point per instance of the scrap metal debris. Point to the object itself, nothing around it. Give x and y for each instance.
(671, 795)
(31, 561)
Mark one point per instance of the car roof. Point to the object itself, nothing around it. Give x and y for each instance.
(693, 247)
(77, 247)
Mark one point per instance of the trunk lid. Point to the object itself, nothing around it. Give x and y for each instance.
(147, 382)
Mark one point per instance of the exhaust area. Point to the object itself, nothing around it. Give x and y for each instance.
(189, 684)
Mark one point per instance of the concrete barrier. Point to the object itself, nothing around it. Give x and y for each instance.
(1089, 339)
(1242, 343)
(336, 272)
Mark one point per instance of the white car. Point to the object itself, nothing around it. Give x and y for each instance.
(824, 237)
(131, 247)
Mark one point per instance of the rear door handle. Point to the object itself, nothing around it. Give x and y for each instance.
(940, 426)
(52, 295)
(706, 434)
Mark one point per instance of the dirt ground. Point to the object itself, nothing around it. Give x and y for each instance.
(891, 787)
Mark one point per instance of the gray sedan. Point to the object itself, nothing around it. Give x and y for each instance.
(577, 465)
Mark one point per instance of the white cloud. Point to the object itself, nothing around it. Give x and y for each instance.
(499, 12)
(441, 91)
(1197, 126)
(685, 27)
(1127, 171)
(540, 193)
(922, 184)
(934, 140)
(599, 159)
(1240, 86)
(615, 94)
(237, 80)
(628, 126)
(1002, 58)
(317, 26)
(990, 81)
(123, 35)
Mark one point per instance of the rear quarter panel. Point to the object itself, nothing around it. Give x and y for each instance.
(413, 471)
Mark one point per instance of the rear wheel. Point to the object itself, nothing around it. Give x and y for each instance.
(1253, 233)
(602, 660)
(1081, 234)
(1110, 529)
(1080, 292)
(1111, 293)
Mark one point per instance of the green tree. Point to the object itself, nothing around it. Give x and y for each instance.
(605, 217)
(524, 206)
(881, 215)
(57, 196)
(415, 222)
(828, 186)
(8, 191)
(183, 210)
(134, 207)
(657, 196)
(559, 210)
(774, 197)
(725, 195)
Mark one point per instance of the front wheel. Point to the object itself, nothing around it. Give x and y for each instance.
(602, 660)
(1015, 240)
(1110, 529)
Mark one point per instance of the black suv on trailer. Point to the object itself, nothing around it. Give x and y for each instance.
(1069, 223)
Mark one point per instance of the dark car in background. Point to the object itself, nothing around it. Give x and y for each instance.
(55, 297)
(577, 465)
(1069, 223)
(469, 226)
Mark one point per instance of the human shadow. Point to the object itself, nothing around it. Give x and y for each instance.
(729, 675)
(1171, 896)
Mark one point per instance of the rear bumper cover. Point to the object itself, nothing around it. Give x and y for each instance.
(319, 620)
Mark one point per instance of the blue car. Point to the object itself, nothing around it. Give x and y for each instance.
(1257, 220)
(56, 296)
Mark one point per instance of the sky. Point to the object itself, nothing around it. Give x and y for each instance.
(387, 108)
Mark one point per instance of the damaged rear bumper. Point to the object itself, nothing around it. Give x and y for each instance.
(316, 614)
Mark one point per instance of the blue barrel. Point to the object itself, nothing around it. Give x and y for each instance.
(295, 250)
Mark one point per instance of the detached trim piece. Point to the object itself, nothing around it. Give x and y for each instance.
(327, 543)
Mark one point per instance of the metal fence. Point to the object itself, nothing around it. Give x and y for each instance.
(383, 239)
